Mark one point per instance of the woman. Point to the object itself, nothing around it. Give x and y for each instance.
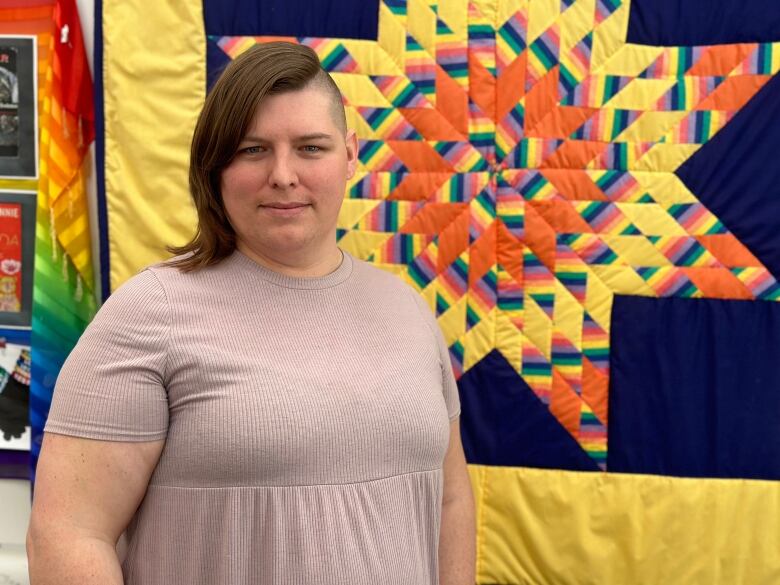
(264, 408)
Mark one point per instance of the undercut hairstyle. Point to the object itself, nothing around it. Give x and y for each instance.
(265, 69)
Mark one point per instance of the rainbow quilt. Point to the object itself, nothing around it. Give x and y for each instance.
(584, 191)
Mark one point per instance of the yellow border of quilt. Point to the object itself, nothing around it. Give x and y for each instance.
(154, 83)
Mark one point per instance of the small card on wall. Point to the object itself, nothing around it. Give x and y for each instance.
(17, 253)
(11, 257)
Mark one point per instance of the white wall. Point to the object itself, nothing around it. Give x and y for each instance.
(14, 515)
(87, 13)
(15, 498)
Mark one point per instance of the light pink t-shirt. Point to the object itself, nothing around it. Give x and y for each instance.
(305, 423)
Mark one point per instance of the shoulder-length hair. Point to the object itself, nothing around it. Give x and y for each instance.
(265, 69)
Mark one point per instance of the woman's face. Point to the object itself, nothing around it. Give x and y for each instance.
(283, 189)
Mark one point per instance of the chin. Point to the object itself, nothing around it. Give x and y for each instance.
(289, 244)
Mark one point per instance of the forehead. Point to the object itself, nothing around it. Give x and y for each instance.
(310, 108)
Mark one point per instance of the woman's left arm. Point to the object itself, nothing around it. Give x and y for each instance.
(457, 543)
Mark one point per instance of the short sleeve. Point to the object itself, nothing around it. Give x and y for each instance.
(112, 386)
(449, 386)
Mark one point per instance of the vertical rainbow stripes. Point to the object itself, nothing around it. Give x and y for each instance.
(594, 91)
(761, 61)
(620, 156)
(461, 188)
(698, 127)
(688, 92)
(606, 125)
(388, 216)
(375, 185)
(401, 248)
(673, 62)
(530, 153)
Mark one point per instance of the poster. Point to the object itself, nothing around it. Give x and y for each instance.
(18, 105)
(17, 249)
(10, 257)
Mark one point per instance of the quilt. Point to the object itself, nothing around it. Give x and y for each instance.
(585, 193)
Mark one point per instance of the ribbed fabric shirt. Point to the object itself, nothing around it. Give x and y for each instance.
(305, 421)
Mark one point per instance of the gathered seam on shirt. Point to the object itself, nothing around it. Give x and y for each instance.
(306, 485)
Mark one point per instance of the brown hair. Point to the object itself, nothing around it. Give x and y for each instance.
(265, 69)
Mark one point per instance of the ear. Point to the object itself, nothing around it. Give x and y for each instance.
(352, 151)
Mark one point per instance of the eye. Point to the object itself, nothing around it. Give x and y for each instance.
(311, 149)
(252, 150)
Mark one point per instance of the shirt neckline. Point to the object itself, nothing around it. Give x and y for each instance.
(332, 279)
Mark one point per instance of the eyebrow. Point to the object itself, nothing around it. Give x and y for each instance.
(303, 138)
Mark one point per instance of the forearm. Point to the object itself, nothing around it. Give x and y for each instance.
(63, 560)
(457, 543)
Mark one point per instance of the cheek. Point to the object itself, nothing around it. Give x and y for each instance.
(236, 184)
(329, 183)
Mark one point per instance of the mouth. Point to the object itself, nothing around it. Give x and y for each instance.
(285, 209)
(285, 205)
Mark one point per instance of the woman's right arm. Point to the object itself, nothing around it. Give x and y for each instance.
(86, 492)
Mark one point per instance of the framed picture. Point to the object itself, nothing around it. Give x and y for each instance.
(17, 252)
(18, 108)
(14, 403)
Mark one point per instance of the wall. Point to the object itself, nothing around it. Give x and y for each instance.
(15, 494)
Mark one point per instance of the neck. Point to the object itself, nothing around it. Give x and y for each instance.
(296, 266)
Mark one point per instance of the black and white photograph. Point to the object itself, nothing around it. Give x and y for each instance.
(18, 107)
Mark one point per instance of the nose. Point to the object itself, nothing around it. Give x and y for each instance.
(282, 175)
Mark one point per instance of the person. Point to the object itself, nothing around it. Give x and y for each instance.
(263, 408)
